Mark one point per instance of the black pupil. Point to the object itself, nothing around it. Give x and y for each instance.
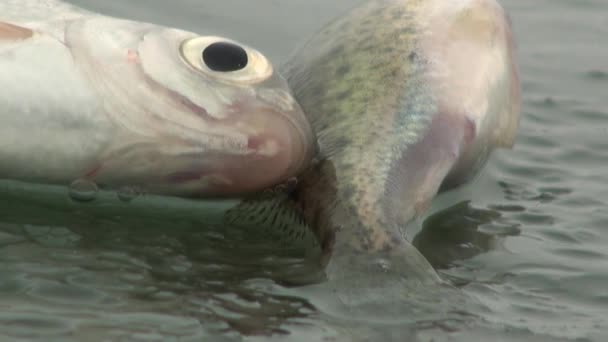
(223, 56)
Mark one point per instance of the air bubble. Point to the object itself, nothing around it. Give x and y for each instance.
(383, 264)
(83, 190)
(128, 193)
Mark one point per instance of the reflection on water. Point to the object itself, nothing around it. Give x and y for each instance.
(457, 233)
(142, 278)
(75, 272)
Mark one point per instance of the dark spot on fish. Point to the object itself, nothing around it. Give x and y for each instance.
(391, 73)
(397, 14)
(317, 92)
(356, 80)
(368, 44)
(348, 191)
(342, 70)
(388, 50)
(340, 143)
(413, 56)
(342, 95)
(338, 49)
(225, 57)
(346, 166)
(408, 31)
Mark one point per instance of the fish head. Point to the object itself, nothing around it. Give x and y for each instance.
(199, 115)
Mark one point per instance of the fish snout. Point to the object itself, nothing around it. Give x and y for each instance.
(283, 144)
(260, 147)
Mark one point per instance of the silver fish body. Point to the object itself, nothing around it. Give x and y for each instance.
(126, 103)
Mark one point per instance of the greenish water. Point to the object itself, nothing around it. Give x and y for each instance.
(526, 245)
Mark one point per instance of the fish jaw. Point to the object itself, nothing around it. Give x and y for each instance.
(182, 130)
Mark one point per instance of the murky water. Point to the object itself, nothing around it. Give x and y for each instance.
(526, 246)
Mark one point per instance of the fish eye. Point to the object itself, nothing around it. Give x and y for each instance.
(224, 56)
(225, 60)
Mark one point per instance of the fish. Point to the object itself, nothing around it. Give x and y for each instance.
(93, 99)
(378, 112)
(408, 99)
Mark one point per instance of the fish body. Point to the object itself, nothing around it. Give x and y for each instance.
(407, 97)
(125, 103)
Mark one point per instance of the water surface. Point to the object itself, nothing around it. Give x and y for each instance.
(526, 245)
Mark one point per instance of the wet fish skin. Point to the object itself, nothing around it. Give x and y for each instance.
(405, 96)
(121, 103)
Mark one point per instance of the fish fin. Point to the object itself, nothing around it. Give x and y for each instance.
(276, 219)
(415, 178)
(381, 282)
(12, 32)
